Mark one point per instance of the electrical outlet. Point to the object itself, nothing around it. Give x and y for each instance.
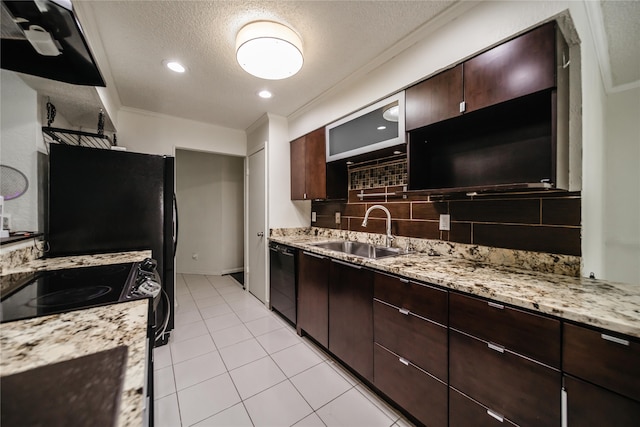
(6, 221)
(313, 217)
(338, 220)
(445, 222)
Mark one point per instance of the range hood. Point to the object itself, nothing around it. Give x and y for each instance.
(43, 38)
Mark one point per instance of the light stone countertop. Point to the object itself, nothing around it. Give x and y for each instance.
(599, 303)
(40, 341)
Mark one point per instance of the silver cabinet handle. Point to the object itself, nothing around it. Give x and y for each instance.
(404, 311)
(496, 347)
(313, 255)
(614, 339)
(495, 415)
(404, 280)
(260, 234)
(495, 305)
(404, 361)
(346, 264)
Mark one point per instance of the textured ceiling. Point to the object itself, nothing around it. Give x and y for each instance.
(338, 37)
(622, 27)
(130, 39)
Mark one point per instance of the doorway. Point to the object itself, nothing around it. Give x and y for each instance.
(210, 193)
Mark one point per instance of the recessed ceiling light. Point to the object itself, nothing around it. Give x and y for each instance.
(382, 127)
(265, 94)
(175, 66)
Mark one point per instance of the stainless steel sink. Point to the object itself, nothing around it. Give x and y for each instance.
(365, 250)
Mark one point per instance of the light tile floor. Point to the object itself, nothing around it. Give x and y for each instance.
(233, 362)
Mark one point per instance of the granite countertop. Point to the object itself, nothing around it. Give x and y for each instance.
(608, 305)
(58, 263)
(40, 341)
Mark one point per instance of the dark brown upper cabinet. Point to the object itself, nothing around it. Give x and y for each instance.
(308, 166)
(521, 66)
(496, 122)
(434, 99)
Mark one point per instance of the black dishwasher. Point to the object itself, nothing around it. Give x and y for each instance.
(282, 279)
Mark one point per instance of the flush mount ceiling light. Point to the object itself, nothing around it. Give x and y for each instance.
(265, 94)
(269, 50)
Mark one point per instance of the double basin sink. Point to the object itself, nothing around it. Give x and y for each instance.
(365, 250)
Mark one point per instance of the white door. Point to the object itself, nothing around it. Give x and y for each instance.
(257, 233)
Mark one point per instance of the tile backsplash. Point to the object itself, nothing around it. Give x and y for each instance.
(545, 221)
(379, 175)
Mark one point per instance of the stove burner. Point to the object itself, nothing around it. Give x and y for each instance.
(69, 296)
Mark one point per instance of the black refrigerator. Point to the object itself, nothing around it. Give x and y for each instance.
(103, 201)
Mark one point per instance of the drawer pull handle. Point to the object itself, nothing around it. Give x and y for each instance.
(495, 415)
(404, 280)
(313, 255)
(614, 339)
(404, 311)
(495, 305)
(404, 361)
(496, 347)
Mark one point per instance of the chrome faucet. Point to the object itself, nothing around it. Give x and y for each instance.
(389, 238)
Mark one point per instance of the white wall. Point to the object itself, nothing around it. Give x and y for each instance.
(621, 186)
(209, 189)
(282, 211)
(145, 132)
(19, 133)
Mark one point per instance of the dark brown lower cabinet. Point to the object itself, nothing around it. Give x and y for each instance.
(424, 343)
(351, 316)
(313, 297)
(422, 395)
(519, 389)
(591, 406)
(465, 412)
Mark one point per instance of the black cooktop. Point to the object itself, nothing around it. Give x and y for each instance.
(57, 291)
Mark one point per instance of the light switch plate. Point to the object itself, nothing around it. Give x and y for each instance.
(313, 217)
(445, 222)
(338, 220)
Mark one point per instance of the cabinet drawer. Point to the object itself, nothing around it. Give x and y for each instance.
(423, 343)
(529, 334)
(591, 406)
(603, 359)
(421, 395)
(519, 389)
(464, 412)
(422, 300)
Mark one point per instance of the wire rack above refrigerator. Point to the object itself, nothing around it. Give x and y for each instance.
(76, 137)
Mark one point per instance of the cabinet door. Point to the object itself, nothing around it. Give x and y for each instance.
(313, 297)
(435, 99)
(602, 358)
(297, 154)
(423, 343)
(422, 395)
(515, 387)
(529, 334)
(316, 165)
(513, 69)
(591, 406)
(351, 316)
(464, 412)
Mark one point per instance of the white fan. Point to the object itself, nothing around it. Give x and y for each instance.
(13, 184)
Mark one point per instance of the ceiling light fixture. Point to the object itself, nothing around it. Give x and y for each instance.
(175, 66)
(265, 94)
(391, 112)
(269, 50)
